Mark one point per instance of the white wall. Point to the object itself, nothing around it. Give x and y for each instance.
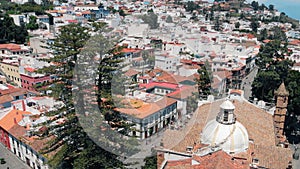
(23, 151)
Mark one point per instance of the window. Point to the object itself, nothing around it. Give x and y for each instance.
(225, 115)
(133, 133)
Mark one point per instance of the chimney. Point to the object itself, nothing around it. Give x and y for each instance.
(23, 105)
(15, 121)
(14, 107)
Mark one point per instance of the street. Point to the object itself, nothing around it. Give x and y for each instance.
(12, 161)
(296, 163)
(146, 146)
(247, 82)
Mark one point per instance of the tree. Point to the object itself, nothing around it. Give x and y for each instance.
(242, 16)
(255, 5)
(150, 162)
(75, 149)
(273, 69)
(263, 34)
(10, 32)
(264, 85)
(192, 103)
(271, 7)
(21, 34)
(262, 7)
(32, 25)
(69, 42)
(237, 25)
(277, 34)
(191, 6)
(169, 19)
(217, 24)
(254, 25)
(104, 124)
(204, 82)
(122, 13)
(151, 19)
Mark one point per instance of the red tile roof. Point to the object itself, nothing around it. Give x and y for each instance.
(216, 160)
(159, 84)
(129, 50)
(29, 69)
(10, 46)
(12, 118)
(183, 92)
(6, 98)
(13, 91)
(131, 72)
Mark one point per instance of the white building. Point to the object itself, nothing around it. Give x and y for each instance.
(167, 62)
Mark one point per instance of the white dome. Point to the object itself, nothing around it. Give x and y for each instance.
(227, 105)
(231, 138)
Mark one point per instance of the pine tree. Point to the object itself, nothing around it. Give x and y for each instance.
(204, 82)
(75, 148)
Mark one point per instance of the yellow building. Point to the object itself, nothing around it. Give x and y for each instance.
(11, 70)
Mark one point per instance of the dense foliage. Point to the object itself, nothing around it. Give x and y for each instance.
(274, 69)
(151, 19)
(9, 32)
(32, 25)
(204, 82)
(150, 162)
(13, 8)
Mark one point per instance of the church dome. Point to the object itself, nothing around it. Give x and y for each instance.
(225, 132)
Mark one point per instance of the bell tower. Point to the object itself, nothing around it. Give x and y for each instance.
(281, 95)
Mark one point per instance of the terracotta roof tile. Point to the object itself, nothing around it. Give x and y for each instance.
(258, 123)
(13, 91)
(217, 160)
(183, 92)
(145, 109)
(10, 46)
(12, 118)
(6, 98)
(131, 72)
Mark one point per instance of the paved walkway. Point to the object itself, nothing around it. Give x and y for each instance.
(12, 161)
(247, 82)
(296, 163)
